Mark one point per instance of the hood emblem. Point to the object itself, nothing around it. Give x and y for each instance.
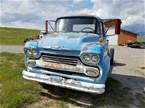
(55, 47)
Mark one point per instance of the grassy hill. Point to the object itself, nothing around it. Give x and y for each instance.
(15, 36)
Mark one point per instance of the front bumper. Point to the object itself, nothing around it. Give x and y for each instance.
(63, 82)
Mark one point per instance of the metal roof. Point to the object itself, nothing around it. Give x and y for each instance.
(82, 16)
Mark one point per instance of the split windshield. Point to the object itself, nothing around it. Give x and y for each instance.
(87, 25)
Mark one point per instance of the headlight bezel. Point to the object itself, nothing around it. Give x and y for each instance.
(31, 53)
(90, 61)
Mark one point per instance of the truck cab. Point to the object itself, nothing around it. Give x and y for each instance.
(75, 55)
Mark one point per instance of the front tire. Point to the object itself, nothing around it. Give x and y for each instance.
(43, 85)
(111, 56)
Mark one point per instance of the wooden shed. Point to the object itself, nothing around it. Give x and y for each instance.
(125, 37)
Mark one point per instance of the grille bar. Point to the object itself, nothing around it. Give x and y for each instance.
(60, 59)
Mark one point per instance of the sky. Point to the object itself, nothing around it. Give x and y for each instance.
(33, 13)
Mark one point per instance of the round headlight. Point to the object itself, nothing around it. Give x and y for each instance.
(31, 53)
(95, 58)
(86, 57)
(90, 59)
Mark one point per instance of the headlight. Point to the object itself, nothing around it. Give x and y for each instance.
(86, 57)
(95, 58)
(91, 59)
(32, 53)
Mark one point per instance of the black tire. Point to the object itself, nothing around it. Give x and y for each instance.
(43, 85)
(111, 56)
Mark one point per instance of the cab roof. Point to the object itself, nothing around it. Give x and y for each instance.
(81, 16)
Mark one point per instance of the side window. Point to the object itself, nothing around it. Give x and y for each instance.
(101, 29)
(97, 28)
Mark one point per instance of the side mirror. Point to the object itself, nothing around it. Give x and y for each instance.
(32, 38)
(112, 26)
(28, 39)
(49, 26)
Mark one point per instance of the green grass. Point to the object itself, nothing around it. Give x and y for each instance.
(15, 36)
(15, 91)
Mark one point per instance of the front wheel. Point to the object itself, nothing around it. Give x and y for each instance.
(111, 54)
(43, 85)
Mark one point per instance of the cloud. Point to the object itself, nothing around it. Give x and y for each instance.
(27, 12)
(33, 13)
(77, 1)
(131, 12)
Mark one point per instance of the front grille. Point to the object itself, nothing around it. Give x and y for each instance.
(60, 59)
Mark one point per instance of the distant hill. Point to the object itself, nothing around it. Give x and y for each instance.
(15, 36)
(141, 33)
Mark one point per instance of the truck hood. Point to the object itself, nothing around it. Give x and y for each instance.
(70, 44)
(67, 41)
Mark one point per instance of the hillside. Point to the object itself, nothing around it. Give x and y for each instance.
(15, 36)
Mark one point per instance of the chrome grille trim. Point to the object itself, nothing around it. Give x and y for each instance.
(60, 59)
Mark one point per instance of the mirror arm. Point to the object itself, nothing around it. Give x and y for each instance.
(107, 30)
(51, 26)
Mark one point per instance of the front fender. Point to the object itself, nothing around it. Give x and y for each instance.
(93, 48)
(33, 44)
(104, 64)
(105, 67)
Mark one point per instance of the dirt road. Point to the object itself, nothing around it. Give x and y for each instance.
(128, 67)
(11, 48)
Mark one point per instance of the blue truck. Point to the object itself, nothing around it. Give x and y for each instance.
(75, 55)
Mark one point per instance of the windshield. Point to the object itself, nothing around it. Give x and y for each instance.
(87, 25)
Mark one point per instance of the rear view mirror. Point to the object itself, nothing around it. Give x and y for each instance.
(28, 39)
(49, 26)
(112, 26)
(36, 36)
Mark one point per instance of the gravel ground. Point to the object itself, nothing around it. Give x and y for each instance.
(128, 67)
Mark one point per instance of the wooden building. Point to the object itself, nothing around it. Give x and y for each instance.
(123, 38)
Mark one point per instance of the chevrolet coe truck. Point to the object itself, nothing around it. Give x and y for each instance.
(75, 55)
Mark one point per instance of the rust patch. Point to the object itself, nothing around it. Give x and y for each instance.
(100, 42)
(78, 69)
(87, 46)
(62, 67)
(85, 49)
(54, 65)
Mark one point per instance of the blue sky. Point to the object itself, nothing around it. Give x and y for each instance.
(33, 13)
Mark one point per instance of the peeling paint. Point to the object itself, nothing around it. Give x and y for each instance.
(79, 68)
(71, 44)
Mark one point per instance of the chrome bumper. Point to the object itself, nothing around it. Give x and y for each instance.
(66, 83)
